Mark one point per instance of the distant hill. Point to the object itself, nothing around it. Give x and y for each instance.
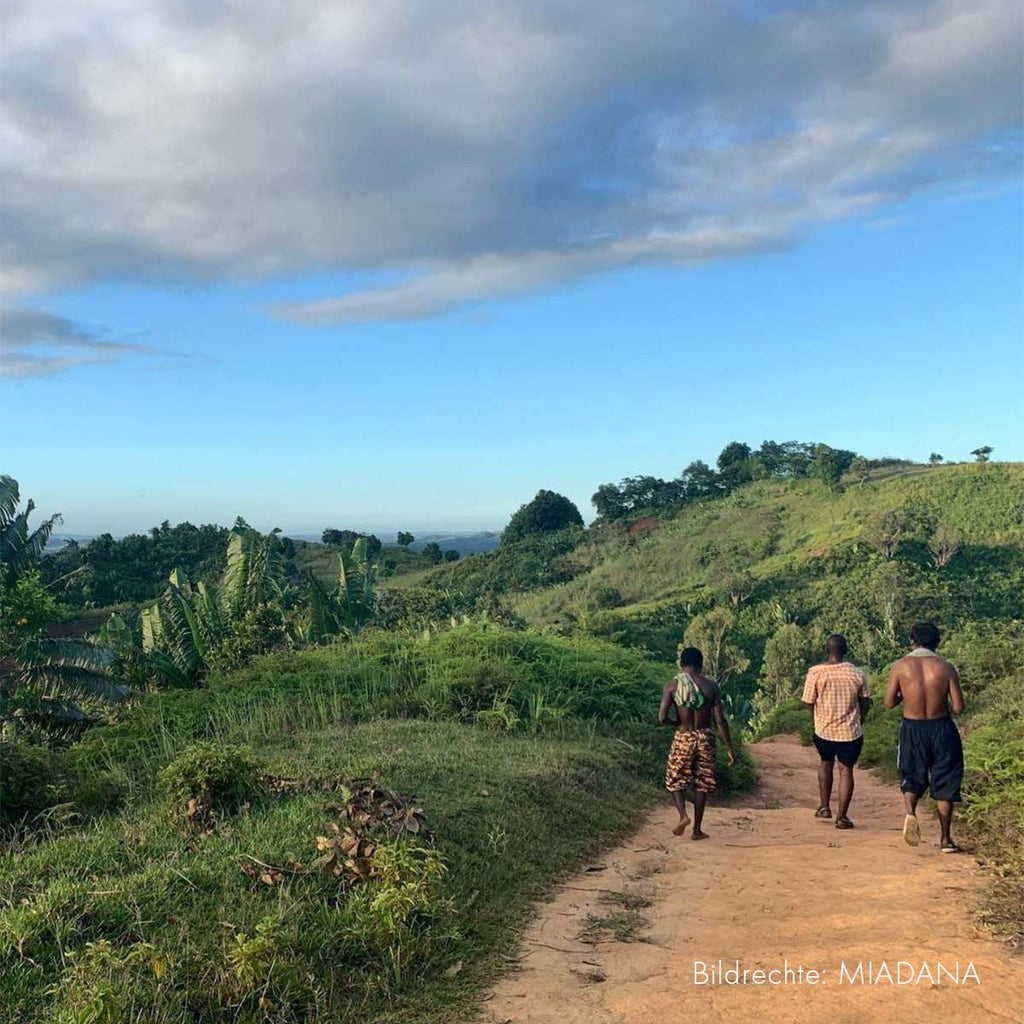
(464, 543)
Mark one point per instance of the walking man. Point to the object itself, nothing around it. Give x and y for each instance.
(697, 701)
(839, 695)
(928, 687)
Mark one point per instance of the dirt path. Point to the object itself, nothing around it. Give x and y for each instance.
(771, 884)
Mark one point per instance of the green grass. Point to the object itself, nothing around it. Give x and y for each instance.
(510, 814)
(322, 560)
(774, 526)
(528, 754)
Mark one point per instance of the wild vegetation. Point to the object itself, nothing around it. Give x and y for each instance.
(315, 789)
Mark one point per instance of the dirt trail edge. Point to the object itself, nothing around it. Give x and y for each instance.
(618, 943)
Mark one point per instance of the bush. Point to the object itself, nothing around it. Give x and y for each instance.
(29, 780)
(223, 774)
(607, 597)
(788, 718)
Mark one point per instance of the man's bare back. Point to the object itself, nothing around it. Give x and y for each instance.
(928, 686)
(701, 718)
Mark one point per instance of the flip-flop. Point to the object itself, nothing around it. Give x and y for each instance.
(844, 823)
(823, 812)
(681, 827)
(951, 848)
(911, 830)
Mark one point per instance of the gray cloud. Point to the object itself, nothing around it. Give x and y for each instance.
(477, 149)
(34, 343)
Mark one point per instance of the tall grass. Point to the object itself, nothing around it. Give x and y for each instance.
(527, 753)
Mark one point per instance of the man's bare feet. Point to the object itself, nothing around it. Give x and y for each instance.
(684, 823)
(699, 835)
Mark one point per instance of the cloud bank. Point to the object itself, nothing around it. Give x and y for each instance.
(475, 149)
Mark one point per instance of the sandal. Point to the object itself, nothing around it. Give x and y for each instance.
(844, 823)
(949, 847)
(911, 830)
(823, 812)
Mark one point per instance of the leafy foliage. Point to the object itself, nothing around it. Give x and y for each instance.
(47, 684)
(135, 567)
(548, 512)
(353, 600)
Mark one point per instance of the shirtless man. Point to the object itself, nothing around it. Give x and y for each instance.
(929, 689)
(692, 758)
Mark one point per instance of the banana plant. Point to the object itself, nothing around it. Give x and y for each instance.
(350, 603)
(56, 677)
(184, 631)
(181, 631)
(20, 549)
(47, 682)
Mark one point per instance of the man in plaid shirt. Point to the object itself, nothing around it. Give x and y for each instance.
(839, 695)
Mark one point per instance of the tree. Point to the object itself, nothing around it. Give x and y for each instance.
(373, 544)
(944, 543)
(404, 538)
(734, 452)
(934, 459)
(730, 577)
(709, 634)
(829, 464)
(700, 480)
(340, 538)
(786, 656)
(45, 682)
(433, 552)
(859, 469)
(547, 513)
(451, 555)
(889, 530)
(609, 502)
(981, 454)
(734, 464)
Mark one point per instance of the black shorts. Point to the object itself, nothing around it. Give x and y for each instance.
(930, 747)
(846, 750)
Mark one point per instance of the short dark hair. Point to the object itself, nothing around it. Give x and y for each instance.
(926, 634)
(690, 657)
(836, 644)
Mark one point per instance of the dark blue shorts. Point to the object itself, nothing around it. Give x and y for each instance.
(930, 750)
(847, 751)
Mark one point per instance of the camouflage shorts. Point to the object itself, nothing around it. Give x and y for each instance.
(691, 759)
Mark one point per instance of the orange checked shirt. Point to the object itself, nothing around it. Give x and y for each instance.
(833, 689)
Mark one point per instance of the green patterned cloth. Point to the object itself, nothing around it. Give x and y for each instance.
(688, 694)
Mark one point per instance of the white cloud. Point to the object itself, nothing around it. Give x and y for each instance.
(480, 149)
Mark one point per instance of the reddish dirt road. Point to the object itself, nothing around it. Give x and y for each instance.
(772, 884)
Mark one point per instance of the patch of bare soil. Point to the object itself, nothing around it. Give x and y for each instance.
(773, 885)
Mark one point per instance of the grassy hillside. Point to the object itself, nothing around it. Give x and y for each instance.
(758, 579)
(524, 754)
(774, 528)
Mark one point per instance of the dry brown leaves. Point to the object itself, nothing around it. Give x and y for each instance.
(371, 805)
(346, 851)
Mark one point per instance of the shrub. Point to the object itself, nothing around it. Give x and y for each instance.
(29, 780)
(607, 597)
(223, 775)
(789, 717)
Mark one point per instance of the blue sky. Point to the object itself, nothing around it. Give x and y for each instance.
(557, 328)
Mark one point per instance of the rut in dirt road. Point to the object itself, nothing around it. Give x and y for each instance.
(772, 888)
